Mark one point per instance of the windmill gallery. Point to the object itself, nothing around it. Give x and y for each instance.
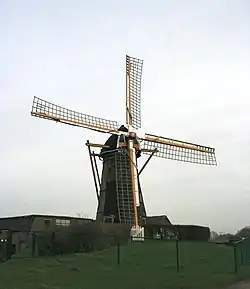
(118, 188)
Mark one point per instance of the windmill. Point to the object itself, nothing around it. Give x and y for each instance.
(118, 189)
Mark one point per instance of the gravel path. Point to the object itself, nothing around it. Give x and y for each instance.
(241, 285)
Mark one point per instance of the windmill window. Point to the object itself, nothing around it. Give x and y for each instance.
(47, 222)
(62, 222)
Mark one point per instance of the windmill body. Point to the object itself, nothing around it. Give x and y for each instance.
(116, 200)
(118, 188)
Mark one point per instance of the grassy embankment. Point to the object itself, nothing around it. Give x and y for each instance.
(143, 266)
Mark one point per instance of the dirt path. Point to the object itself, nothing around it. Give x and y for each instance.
(241, 285)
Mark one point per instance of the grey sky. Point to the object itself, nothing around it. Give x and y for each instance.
(195, 87)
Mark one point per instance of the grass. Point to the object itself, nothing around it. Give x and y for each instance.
(142, 266)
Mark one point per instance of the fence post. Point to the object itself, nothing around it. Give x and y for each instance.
(241, 254)
(177, 255)
(52, 241)
(33, 244)
(118, 253)
(235, 260)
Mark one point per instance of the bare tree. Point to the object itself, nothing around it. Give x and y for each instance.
(82, 215)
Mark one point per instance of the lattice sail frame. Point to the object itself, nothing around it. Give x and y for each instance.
(177, 150)
(133, 91)
(48, 110)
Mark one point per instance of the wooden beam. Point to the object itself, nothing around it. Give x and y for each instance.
(96, 145)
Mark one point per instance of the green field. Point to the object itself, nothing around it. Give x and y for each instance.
(146, 265)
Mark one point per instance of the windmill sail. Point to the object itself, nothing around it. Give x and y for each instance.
(133, 91)
(179, 150)
(48, 110)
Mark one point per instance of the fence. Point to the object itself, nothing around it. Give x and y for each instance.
(178, 255)
(241, 254)
(124, 263)
(82, 238)
(189, 254)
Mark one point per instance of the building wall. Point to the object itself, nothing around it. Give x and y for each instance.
(23, 227)
(50, 223)
(22, 242)
(20, 223)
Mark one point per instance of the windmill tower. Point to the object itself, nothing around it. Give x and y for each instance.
(118, 189)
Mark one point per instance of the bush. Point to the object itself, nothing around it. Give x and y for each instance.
(182, 232)
(81, 238)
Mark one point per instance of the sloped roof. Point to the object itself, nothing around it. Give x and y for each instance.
(158, 220)
(24, 223)
(20, 223)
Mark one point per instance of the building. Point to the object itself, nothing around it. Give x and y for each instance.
(158, 220)
(159, 227)
(34, 223)
(22, 227)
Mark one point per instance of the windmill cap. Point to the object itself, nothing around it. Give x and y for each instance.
(123, 128)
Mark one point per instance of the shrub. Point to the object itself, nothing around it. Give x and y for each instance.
(81, 238)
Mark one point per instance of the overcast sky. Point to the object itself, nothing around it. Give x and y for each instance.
(196, 87)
